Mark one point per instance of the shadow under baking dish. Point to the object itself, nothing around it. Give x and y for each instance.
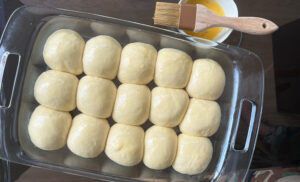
(242, 69)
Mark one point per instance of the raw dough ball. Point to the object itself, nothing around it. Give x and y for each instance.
(102, 57)
(63, 51)
(168, 106)
(132, 104)
(137, 63)
(87, 136)
(193, 154)
(173, 68)
(48, 129)
(56, 90)
(202, 118)
(96, 96)
(160, 147)
(125, 144)
(207, 80)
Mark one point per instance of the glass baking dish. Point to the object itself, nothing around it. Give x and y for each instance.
(24, 37)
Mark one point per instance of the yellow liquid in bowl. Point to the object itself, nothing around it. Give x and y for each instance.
(214, 7)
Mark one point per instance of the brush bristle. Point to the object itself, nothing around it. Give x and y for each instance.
(166, 14)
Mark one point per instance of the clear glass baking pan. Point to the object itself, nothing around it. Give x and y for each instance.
(24, 37)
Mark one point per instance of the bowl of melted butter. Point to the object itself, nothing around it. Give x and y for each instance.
(220, 7)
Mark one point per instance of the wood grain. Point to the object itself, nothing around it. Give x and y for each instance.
(252, 25)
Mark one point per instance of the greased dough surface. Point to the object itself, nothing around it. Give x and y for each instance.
(102, 57)
(87, 136)
(202, 118)
(160, 147)
(207, 80)
(193, 154)
(132, 104)
(56, 90)
(137, 63)
(168, 106)
(48, 129)
(125, 144)
(96, 96)
(63, 51)
(173, 68)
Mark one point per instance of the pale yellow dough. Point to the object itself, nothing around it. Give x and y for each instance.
(207, 80)
(87, 136)
(56, 90)
(137, 63)
(96, 96)
(202, 118)
(173, 68)
(193, 154)
(160, 147)
(63, 51)
(168, 106)
(102, 57)
(48, 129)
(132, 104)
(125, 144)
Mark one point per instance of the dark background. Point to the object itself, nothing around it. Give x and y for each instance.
(279, 138)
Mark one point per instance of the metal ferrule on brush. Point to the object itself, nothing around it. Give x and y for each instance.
(187, 16)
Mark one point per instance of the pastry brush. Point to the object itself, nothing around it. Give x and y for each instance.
(196, 17)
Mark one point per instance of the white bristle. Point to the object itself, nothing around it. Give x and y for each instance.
(166, 14)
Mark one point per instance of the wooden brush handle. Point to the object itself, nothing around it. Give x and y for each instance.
(251, 25)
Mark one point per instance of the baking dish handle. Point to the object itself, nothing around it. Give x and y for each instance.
(243, 139)
(246, 113)
(246, 110)
(9, 67)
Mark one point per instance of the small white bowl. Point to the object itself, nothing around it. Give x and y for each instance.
(230, 10)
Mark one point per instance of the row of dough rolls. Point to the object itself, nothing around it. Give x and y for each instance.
(127, 145)
(125, 142)
(159, 148)
(130, 104)
(137, 63)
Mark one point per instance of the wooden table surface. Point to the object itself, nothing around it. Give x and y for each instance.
(279, 11)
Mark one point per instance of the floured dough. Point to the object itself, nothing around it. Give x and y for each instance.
(207, 80)
(125, 144)
(96, 96)
(168, 106)
(102, 57)
(193, 154)
(56, 90)
(87, 136)
(202, 118)
(63, 51)
(173, 68)
(48, 129)
(132, 104)
(160, 147)
(137, 63)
